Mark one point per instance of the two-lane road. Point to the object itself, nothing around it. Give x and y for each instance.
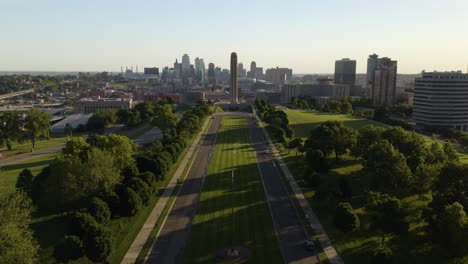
(290, 231)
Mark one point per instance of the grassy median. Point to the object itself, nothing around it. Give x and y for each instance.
(225, 217)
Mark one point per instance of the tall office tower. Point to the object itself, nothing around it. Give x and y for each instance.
(441, 100)
(259, 73)
(240, 70)
(177, 69)
(345, 71)
(383, 85)
(211, 74)
(200, 69)
(253, 70)
(186, 65)
(233, 80)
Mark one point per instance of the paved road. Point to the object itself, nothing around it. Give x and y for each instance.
(169, 245)
(145, 231)
(150, 136)
(288, 226)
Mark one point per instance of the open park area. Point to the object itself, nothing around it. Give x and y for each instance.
(356, 247)
(233, 210)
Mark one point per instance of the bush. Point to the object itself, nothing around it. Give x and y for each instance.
(317, 161)
(382, 255)
(345, 219)
(80, 224)
(97, 244)
(71, 248)
(130, 202)
(142, 189)
(129, 172)
(100, 211)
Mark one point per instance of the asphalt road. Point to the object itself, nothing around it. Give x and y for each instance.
(169, 246)
(288, 226)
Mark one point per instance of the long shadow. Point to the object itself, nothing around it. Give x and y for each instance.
(26, 165)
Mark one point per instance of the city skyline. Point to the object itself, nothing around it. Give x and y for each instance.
(309, 37)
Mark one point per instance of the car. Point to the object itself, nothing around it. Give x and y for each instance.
(309, 245)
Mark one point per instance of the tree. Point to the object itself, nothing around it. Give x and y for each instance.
(130, 201)
(451, 153)
(345, 219)
(10, 128)
(165, 117)
(100, 120)
(80, 223)
(317, 161)
(381, 113)
(345, 188)
(346, 107)
(36, 125)
(386, 214)
(149, 179)
(424, 177)
(72, 181)
(142, 189)
(312, 178)
(70, 248)
(97, 243)
(387, 167)
(99, 210)
(146, 109)
(295, 144)
(112, 200)
(77, 147)
(332, 136)
(121, 147)
(367, 136)
(410, 144)
(17, 244)
(453, 228)
(25, 181)
(382, 255)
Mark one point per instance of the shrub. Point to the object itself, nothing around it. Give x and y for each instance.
(100, 211)
(97, 244)
(25, 181)
(129, 172)
(130, 202)
(71, 248)
(112, 200)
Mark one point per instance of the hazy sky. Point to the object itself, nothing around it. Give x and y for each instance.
(306, 35)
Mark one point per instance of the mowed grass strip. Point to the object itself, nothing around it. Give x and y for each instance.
(224, 217)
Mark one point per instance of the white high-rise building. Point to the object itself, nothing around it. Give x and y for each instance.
(441, 100)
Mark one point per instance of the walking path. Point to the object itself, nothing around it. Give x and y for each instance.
(142, 237)
(314, 222)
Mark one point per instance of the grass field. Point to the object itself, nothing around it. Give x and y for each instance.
(25, 147)
(356, 247)
(225, 217)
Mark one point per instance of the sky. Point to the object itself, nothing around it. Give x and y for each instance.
(305, 35)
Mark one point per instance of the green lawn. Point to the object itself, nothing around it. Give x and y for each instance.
(302, 121)
(249, 224)
(9, 173)
(356, 247)
(25, 147)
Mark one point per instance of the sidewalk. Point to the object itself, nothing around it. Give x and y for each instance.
(142, 237)
(314, 222)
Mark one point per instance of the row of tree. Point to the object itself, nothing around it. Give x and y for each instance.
(33, 125)
(105, 177)
(277, 120)
(398, 163)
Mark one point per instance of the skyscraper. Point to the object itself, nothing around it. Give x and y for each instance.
(240, 70)
(200, 69)
(185, 65)
(253, 70)
(233, 80)
(381, 79)
(211, 74)
(345, 72)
